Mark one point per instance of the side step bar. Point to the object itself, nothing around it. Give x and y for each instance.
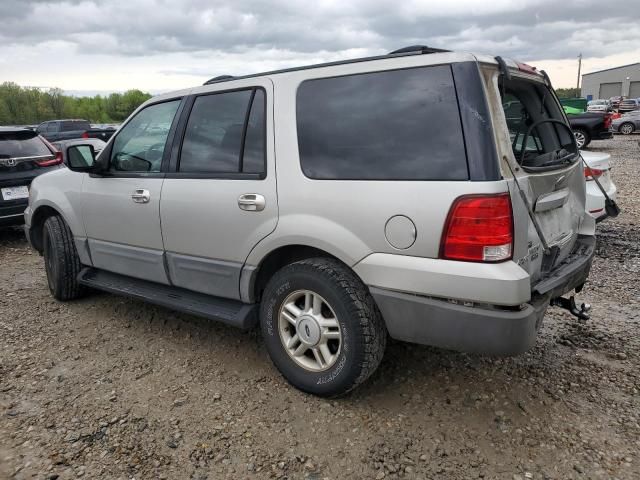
(231, 312)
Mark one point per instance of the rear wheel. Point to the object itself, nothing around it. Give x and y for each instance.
(321, 326)
(627, 128)
(582, 137)
(61, 260)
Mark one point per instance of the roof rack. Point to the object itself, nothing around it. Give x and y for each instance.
(412, 50)
(219, 78)
(423, 49)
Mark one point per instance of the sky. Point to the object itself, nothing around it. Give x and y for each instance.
(86, 46)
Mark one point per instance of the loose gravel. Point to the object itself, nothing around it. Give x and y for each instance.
(112, 388)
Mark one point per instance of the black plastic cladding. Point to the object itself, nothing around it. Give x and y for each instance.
(482, 157)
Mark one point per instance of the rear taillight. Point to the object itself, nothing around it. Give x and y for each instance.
(85, 135)
(607, 120)
(589, 173)
(479, 228)
(57, 160)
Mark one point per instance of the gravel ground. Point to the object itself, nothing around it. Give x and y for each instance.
(108, 387)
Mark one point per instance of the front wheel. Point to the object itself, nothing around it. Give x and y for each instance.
(321, 326)
(582, 137)
(627, 128)
(61, 260)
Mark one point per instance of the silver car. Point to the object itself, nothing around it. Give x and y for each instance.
(335, 205)
(627, 123)
(598, 106)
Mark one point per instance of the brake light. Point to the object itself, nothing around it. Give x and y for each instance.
(607, 120)
(57, 160)
(479, 228)
(589, 173)
(85, 135)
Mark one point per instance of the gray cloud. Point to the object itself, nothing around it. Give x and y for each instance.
(524, 29)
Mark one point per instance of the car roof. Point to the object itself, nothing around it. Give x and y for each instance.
(81, 141)
(14, 129)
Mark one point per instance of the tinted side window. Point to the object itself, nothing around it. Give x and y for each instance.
(71, 125)
(52, 127)
(394, 125)
(253, 159)
(213, 141)
(139, 146)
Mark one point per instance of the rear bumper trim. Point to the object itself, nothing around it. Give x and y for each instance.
(429, 321)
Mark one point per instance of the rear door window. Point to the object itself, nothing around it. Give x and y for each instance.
(225, 134)
(391, 125)
(72, 125)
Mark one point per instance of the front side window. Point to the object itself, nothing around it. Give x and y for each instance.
(225, 134)
(140, 145)
(391, 125)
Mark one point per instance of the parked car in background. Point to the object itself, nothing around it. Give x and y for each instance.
(321, 240)
(599, 166)
(627, 123)
(23, 156)
(629, 105)
(590, 126)
(54, 130)
(63, 146)
(599, 106)
(615, 102)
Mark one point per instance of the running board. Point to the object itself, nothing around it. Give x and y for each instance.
(231, 312)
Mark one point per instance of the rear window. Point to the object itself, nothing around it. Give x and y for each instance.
(71, 125)
(393, 125)
(18, 144)
(540, 137)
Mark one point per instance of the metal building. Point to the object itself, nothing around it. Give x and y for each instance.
(612, 82)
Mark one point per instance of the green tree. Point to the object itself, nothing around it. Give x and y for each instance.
(568, 92)
(19, 106)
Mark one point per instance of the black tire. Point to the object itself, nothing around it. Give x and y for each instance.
(61, 260)
(627, 131)
(577, 132)
(364, 335)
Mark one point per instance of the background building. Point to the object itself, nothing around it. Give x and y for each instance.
(624, 80)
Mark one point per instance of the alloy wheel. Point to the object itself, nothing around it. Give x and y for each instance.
(309, 330)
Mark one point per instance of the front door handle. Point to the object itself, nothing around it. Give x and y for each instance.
(140, 195)
(252, 202)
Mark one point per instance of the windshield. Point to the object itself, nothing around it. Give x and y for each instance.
(21, 144)
(537, 127)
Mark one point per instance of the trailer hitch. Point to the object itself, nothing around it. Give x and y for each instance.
(569, 304)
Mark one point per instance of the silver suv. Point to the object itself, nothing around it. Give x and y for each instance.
(335, 205)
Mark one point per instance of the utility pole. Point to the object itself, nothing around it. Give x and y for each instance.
(579, 67)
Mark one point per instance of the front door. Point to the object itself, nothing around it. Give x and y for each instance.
(220, 200)
(121, 209)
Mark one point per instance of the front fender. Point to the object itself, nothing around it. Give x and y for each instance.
(60, 190)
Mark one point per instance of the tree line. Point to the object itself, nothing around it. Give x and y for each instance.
(28, 106)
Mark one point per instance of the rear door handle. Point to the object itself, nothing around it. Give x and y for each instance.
(140, 195)
(251, 202)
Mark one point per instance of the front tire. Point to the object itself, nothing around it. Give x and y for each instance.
(61, 260)
(582, 137)
(627, 128)
(321, 326)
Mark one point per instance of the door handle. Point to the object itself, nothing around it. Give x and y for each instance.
(140, 195)
(251, 202)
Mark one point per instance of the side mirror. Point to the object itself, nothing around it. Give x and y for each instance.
(81, 158)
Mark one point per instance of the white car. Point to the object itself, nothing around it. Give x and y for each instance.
(599, 166)
(598, 106)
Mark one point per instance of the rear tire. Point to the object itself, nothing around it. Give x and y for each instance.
(627, 128)
(307, 300)
(61, 260)
(582, 137)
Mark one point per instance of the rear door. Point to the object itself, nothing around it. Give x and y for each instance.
(121, 209)
(220, 199)
(548, 170)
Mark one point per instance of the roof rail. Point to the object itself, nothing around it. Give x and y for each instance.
(219, 78)
(418, 49)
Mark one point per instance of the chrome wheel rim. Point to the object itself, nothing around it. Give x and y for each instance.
(309, 330)
(626, 129)
(579, 139)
